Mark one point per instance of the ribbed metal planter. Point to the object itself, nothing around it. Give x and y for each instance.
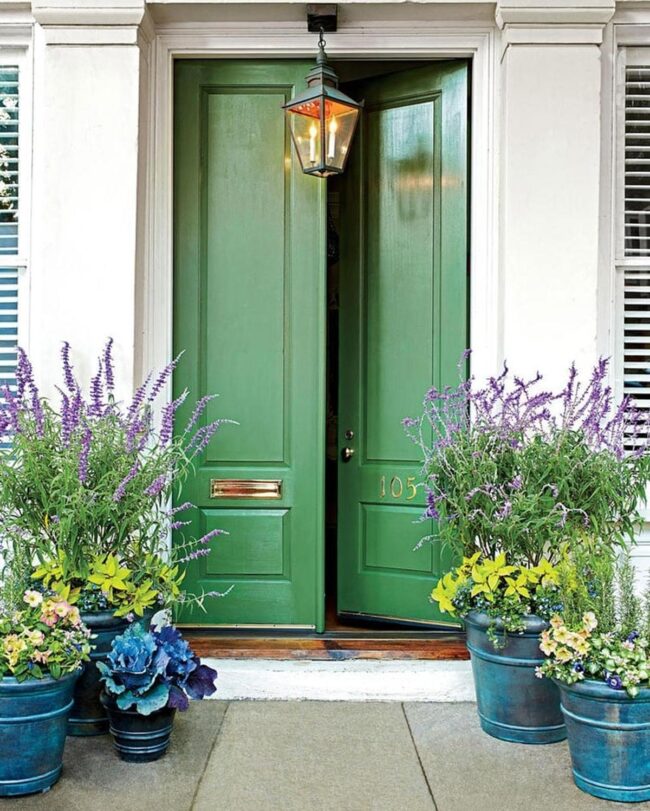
(609, 740)
(33, 718)
(513, 704)
(88, 716)
(139, 738)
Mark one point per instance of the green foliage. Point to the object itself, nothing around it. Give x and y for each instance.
(602, 631)
(86, 489)
(505, 592)
(105, 582)
(45, 637)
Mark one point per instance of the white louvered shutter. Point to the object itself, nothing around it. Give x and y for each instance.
(634, 247)
(9, 214)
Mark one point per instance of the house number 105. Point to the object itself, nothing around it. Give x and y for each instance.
(396, 487)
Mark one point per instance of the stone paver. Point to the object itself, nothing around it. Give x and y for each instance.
(321, 756)
(94, 779)
(281, 756)
(471, 771)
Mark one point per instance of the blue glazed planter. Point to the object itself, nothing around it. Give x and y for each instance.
(88, 716)
(139, 738)
(513, 704)
(33, 717)
(609, 740)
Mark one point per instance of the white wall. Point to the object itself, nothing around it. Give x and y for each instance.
(550, 188)
(85, 182)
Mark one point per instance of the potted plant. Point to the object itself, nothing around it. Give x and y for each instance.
(86, 498)
(509, 472)
(598, 652)
(43, 644)
(147, 677)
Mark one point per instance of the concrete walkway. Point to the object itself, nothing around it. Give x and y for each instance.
(309, 755)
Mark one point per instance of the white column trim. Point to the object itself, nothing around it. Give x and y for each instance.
(409, 40)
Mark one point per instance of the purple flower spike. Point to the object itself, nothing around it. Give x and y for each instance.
(68, 374)
(157, 486)
(109, 374)
(83, 455)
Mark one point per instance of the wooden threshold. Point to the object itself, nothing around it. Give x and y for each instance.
(450, 647)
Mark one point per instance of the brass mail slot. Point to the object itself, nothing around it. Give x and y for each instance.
(246, 488)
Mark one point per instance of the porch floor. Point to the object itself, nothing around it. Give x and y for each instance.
(286, 756)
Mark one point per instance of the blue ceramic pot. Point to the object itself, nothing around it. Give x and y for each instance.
(139, 738)
(609, 740)
(33, 718)
(88, 716)
(513, 704)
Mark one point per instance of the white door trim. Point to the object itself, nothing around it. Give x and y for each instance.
(381, 39)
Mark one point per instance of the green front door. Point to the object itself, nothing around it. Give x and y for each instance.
(249, 312)
(403, 317)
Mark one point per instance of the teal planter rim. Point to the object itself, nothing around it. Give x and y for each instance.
(599, 691)
(10, 684)
(533, 625)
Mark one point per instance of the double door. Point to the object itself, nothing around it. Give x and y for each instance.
(249, 311)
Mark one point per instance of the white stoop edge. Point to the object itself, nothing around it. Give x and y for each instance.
(357, 680)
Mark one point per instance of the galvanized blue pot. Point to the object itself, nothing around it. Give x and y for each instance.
(88, 717)
(33, 718)
(139, 738)
(513, 704)
(609, 740)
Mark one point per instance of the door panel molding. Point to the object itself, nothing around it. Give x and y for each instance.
(414, 39)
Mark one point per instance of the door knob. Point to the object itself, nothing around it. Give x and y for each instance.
(347, 454)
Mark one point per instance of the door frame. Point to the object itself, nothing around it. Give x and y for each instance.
(256, 39)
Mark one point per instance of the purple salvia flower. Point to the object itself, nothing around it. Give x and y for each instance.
(198, 410)
(156, 486)
(179, 524)
(68, 374)
(97, 392)
(516, 483)
(186, 505)
(109, 374)
(167, 422)
(210, 535)
(193, 555)
(504, 512)
(138, 398)
(24, 374)
(118, 495)
(162, 378)
(83, 454)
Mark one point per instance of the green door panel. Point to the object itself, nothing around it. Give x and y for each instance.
(403, 326)
(249, 312)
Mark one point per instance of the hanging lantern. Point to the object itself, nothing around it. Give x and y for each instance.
(322, 120)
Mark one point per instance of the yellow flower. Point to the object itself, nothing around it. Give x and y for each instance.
(548, 647)
(13, 647)
(33, 598)
(74, 616)
(589, 621)
(563, 655)
(563, 635)
(556, 621)
(35, 637)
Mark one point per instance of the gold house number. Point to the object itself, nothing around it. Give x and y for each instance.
(396, 487)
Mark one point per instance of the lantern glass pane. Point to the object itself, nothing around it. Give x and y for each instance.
(306, 134)
(340, 123)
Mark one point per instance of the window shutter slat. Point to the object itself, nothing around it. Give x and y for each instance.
(637, 162)
(636, 341)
